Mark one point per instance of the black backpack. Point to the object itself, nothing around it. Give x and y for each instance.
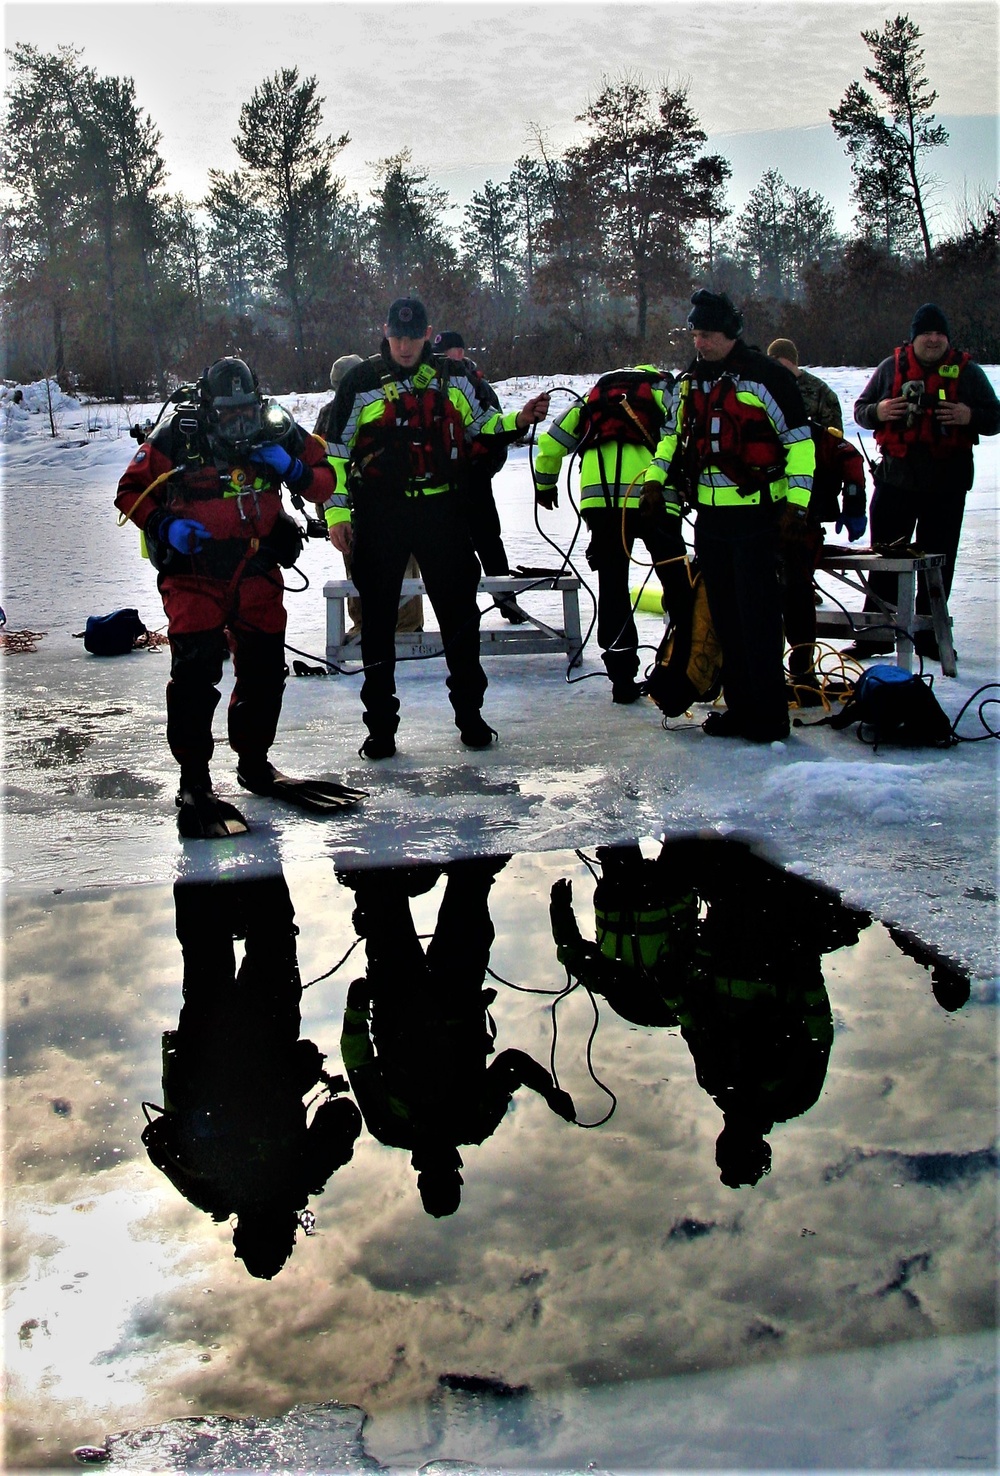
(114, 634)
(895, 706)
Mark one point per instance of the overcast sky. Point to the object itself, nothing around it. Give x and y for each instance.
(462, 84)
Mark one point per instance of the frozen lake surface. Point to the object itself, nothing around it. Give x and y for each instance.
(600, 1299)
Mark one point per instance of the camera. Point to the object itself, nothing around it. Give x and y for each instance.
(918, 401)
(140, 431)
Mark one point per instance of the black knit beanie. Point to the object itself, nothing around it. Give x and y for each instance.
(929, 319)
(714, 312)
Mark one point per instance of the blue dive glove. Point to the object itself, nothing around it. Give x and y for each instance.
(289, 468)
(856, 527)
(186, 535)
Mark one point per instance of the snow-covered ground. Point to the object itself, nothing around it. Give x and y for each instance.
(909, 835)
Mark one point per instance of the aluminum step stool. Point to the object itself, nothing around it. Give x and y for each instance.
(534, 636)
(852, 567)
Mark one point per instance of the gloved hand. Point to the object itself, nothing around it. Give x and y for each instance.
(534, 411)
(186, 535)
(562, 1104)
(547, 497)
(289, 468)
(650, 500)
(561, 894)
(792, 520)
(856, 527)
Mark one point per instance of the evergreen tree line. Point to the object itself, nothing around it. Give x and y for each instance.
(577, 262)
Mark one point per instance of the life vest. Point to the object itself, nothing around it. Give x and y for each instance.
(839, 470)
(621, 410)
(642, 920)
(720, 430)
(418, 441)
(620, 407)
(920, 427)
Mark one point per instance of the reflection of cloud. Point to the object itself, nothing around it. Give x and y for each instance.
(941, 1170)
(611, 1254)
(74, 1341)
(93, 1124)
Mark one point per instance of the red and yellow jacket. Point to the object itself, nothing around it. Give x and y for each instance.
(175, 474)
(737, 435)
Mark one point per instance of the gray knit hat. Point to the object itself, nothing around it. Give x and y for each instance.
(341, 368)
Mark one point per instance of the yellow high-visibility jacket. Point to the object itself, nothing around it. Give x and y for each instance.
(737, 433)
(611, 471)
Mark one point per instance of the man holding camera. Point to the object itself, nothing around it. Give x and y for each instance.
(928, 404)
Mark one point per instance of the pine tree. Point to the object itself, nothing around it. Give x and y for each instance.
(409, 237)
(290, 164)
(235, 240)
(40, 171)
(569, 242)
(645, 197)
(782, 231)
(709, 176)
(531, 200)
(121, 148)
(94, 206)
(888, 140)
(489, 237)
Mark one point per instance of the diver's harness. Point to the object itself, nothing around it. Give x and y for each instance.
(188, 435)
(620, 409)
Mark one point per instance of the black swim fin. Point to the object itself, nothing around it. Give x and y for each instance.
(201, 815)
(317, 796)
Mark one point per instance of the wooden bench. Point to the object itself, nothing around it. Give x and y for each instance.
(532, 637)
(852, 568)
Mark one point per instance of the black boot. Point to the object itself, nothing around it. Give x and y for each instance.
(475, 732)
(378, 746)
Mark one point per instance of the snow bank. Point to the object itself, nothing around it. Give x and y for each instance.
(904, 793)
(21, 405)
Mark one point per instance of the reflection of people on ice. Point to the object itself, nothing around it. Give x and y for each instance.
(417, 1032)
(714, 938)
(234, 1134)
(759, 1024)
(645, 919)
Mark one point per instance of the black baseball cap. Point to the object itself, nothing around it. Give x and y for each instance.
(407, 318)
